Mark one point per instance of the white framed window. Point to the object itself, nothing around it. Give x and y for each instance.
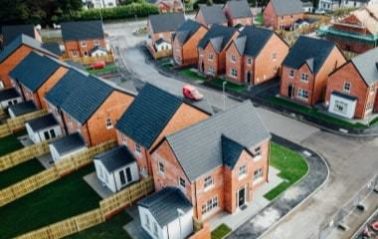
(83, 44)
(182, 182)
(249, 61)
(161, 167)
(109, 123)
(211, 56)
(75, 53)
(304, 77)
(347, 87)
(233, 58)
(291, 73)
(234, 72)
(242, 171)
(258, 151)
(274, 56)
(147, 221)
(208, 182)
(138, 148)
(302, 94)
(96, 43)
(210, 205)
(258, 174)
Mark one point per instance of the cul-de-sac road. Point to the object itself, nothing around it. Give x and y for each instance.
(352, 161)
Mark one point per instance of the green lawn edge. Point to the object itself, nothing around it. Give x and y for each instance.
(220, 232)
(292, 166)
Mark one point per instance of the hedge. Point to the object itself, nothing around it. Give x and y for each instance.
(129, 11)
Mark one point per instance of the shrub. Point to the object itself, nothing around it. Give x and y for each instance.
(121, 12)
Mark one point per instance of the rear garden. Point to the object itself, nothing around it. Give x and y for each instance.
(57, 201)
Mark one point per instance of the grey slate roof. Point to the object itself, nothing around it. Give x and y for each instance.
(70, 81)
(218, 35)
(53, 47)
(82, 30)
(239, 8)
(309, 50)
(367, 65)
(164, 205)
(23, 108)
(168, 22)
(148, 115)
(287, 7)
(11, 32)
(198, 148)
(231, 151)
(115, 158)
(43, 122)
(213, 14)
(186, 30)
(84, 101)
(252, 40)
(7, 94)
(34, 70)
(23, 40)
(69, 143)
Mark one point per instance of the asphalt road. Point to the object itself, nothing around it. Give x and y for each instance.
(352, 161)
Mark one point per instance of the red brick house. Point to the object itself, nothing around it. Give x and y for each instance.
(141, 131)
(14, 53)
(212, 49)
(185, 43)
(306, 68)
(282, 14)
(84, 39)
(161, 29)
(36, 75)
(238, 13)
(255, 56)
(357, 32)
(166, 6)
(85, 104)
(352, 88)
(217, 163)
(210, 15)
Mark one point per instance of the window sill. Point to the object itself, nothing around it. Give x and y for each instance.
(257, 158)
(208, 188)
(242, 177)
(257, 181)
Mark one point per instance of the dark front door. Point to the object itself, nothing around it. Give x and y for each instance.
(290, 91)
(203, 67)
(241, 197)
(249, 78)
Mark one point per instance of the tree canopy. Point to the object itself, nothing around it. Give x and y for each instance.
(43, 12)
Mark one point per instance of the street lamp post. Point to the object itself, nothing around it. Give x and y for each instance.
(224, 94)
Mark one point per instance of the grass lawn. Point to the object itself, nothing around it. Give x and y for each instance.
(9, 144)
(315, 113)
(57, 201)
(111, 68)
(112, 228)
(19, 172)
(260, 19)
(220, 232)
(292, 168)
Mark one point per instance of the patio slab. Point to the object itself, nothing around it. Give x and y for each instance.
(259, 202)
(97, 186)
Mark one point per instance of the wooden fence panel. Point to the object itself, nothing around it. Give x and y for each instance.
(63, 228)
(23, 155)
(4, 130)
(92, 218)
(19, 122)
(89, 219)
(47, 176)
(42, 233)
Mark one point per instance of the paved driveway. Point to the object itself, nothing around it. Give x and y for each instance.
(352, 161)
